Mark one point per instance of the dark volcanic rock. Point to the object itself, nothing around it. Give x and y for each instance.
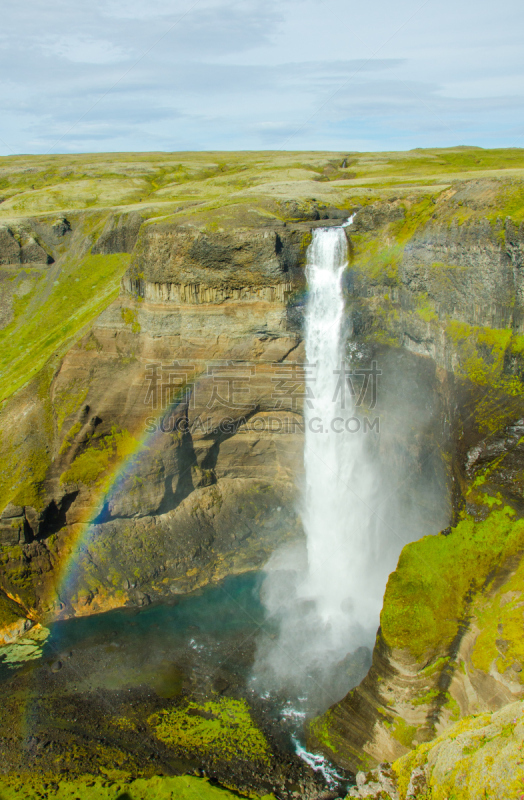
(9, 247)
(34, 253)
(119, 235)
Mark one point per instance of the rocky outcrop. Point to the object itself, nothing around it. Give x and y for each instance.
(21, 247)
(119, 234)
(478, 757)
(13, 525)
(234, 258)
(419, 290)
(9, 247)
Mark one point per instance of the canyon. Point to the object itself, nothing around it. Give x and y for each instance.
(152, 420)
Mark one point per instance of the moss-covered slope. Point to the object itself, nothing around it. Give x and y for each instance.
(30, 787)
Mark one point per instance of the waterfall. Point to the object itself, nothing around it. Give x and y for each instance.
(332, 455)
(339, 480)
(363, 496)
(322, 592)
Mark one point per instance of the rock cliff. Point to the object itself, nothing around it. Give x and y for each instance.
(151, 432)
(449, 644)
(156, 452)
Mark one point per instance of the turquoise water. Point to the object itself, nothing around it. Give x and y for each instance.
(217, 611)
(130, 646)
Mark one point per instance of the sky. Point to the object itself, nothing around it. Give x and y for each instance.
(146, 75)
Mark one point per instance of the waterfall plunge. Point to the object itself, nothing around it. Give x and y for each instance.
(339, 485)
(327, 595)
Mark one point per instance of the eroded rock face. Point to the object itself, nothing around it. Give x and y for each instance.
(232, 258)
(20, 246)
(211, 488)
(9, 247)
(119, 235)
(445, 274)
(462, 653)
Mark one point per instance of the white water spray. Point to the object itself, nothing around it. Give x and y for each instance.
(324, 593)
(339, 484)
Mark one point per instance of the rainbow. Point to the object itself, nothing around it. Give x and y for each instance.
(66, 571)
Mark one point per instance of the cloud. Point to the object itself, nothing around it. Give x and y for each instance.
(124, 74)
(85, 50)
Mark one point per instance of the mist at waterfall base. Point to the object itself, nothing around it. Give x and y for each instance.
(325, 593)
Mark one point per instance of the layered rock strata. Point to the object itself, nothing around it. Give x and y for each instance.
(450, 638)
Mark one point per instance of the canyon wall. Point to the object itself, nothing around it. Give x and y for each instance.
(175, 385)
(160, 447)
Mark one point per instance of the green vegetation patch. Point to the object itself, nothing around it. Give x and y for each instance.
(417, 216)
(27, 787)
(130, 317)
(401, 731)
(501, 625)
(220, 728)
(26, 648)
(381, 263)
(481, 352)
(509, 202)
(427, 595)
(24, 461)
(56, 314)
(322, 729)
(10, 612)
(90, 466)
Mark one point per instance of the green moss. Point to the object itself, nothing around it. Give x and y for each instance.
(481, 353)
(426, 698)
(479, 757)
(322, 734)
(26, 648)
(22, 472)
(306, 241)
(73, 431)
(452, 706)
(435, 666)
(425, 309)
(90, 466)
(29, 787)
(322, 729)
(130, 317)
(220, 728)
(417, 216)
(421, 611)
(509, 202)
(381, 263)
(67, 401)
(10, 612)
(502, 619)
(55, 317)
(402, 732)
